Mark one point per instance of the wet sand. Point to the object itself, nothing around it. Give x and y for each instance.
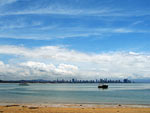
(79, 108)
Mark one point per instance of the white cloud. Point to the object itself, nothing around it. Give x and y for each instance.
(137, 22)
(123, 30)
(54, 60)
(61, 69)
(18, 23)
(67, 11)
(68, 32)
(32, 69)
(72, 9)
(1, 63)
(61, 9)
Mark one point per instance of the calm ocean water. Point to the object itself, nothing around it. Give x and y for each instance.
(134, 93)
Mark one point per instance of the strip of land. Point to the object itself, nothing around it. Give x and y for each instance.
(72, 109)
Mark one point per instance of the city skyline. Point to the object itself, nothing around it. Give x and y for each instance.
(73, 80)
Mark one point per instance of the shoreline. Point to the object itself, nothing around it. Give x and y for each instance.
(78, 105)
(71, 108)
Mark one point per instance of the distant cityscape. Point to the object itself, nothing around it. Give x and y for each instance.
(73, 80)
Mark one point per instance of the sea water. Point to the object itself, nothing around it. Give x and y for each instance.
(117, 93)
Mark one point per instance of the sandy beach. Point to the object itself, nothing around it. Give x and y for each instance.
(79, 108)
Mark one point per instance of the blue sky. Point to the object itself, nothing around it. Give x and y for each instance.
(92, 29)
(105, 25)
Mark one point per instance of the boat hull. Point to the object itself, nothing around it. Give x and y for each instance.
(103, 86)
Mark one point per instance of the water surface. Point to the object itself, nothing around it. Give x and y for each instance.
(134, 93)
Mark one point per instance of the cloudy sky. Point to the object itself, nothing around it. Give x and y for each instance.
(84, 39)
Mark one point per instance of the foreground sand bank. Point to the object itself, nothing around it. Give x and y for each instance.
(72, 109)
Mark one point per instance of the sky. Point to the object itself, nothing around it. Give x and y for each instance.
(84, 39)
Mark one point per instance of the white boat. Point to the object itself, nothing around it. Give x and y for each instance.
(23, 84)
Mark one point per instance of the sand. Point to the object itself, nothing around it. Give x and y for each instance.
(72, 109)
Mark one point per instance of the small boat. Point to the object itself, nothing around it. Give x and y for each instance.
(23, 84)
(104, 86)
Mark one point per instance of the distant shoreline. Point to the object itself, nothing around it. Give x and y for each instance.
(68, 81)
